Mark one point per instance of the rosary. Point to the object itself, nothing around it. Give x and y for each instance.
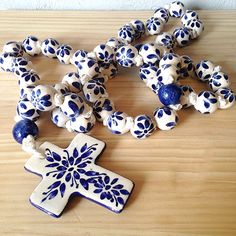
(81, 98)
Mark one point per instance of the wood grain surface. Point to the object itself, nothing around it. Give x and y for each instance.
(185, 178)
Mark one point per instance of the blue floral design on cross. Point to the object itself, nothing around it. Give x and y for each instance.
(72, 171)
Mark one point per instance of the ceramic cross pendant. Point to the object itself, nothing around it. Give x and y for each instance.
(73, 171)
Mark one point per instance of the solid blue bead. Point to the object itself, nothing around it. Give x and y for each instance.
(24, 128)
(169, 94)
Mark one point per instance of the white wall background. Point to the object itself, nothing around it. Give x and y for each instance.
(111, 4)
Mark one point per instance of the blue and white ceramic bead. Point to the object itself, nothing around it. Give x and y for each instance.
(166, 118)
(115, 43)
(188, 15)
(182, 36)
(187, 68)
(185, 97)
(204, 70)
(219, 80)
(78, 56)
(61, 88)
(176, 9)
(28, 78)
(104, 53)
(49, 47)
(43, 97)
(72, 81)
(126, 56)
(206, 102)
(196, 28)
(162, 13)
(81, 124)
(59, 118)
(127, 33)
(73, 105)
(109, 70)
(165, 39)
(32, 46)
(139, 28)
(103, 108)
(6, 61)
(148, 72)
(154, 25)
(26, 92)
(20, 65)
(226, 98)
(26, 110)
(64, 53)
(143, 127)
(14, 48)
(155, 84)
(101, 79)
(169, 73)
(150, 53)
(170, 59)
(119, 122)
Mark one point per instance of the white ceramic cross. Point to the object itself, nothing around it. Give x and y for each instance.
(73, 171)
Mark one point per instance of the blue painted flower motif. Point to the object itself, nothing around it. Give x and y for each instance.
(209, 98)
(39, 101)
(187, 66)
(87, 66)
(104, 53)
(148, 72)
(6, 60)
(125, 56)
(28, 78)
(15, 48)
(20, 65)
(49, 47)
(127, 33)
(176, 9)
(115, 120)
(139, 28)
(25, 92)
(218, 80)
(182, 36)
(167, 40)
(31, 46)
(203, 70)
(160, 111)
(63, 53)
(154, 25)
(227, 94)
(162, 13)
(189, 15)
(102, 105)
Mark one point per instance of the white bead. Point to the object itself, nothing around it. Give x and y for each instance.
(49, 47)
(165, 39)
(154, 25)
(168, 73)
(109, 70)
(166, 118)
(127, 33)
(64, 53)
(25, 92)
(171, 59)
(219, 80)
(61, 88)
(6, 61)
(78, 56)
(176, 9)
(196, 27)
(104, 53)
(182, 36)
(188, 15)
(148, 72)
(28, 78)
(115, 43)
(150, 53)
(187, 67)
(185, 97)
(204, 69)
(139, 28)
(21, 65)
(14, 48)
(226, 98)
(32, 46)
(72, 80)
(206, 102)
(59, 118)
(126, 56)
(162, 13)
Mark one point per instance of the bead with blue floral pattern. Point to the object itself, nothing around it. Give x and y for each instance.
(206, 102)
(26, 110)
(28, 78)
(185, 97)
(59, 118)
(115, 43)
(6, 61)
(108, 70)
(14, 48)
(154, 25)
(148, 72)
(127, 33)
(187, 68)
(20, 65)
(196, 27)
(61, 88)
(219, 80)
(64, 53)
(49, 47)
(126, 56)
(166, 118)
(176, 9)
(32, 46)
(150, 53)
(226, 98)
(162, 13)
(104, 53)
(165, 39)
(182, 36)
(188, 15)
(139, 28)
(169, 73)
(78, 56)
(25, 92)
(204, 70)
(171, 59)
(143, 127)
(72, 81)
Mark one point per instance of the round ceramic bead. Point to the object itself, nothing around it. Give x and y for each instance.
(72, 80)
(25, 92)
(6, 61)
(78, 56)
(14, 48)
(126, 56)
(196, 28)
(206, 102)
(61, 88)
(28, 78)
(49, 47)
(187, 67)
(81, 124)
(139, 28)
(165, 118)
(165, 39)
(219, 80)
(143, 127)
(226, 98)
(169, 73)
(150, 53)
(59, 118)
(103, 108)
(115, 43)
(20, 65)
(24, 128)
(204, 69)
(155, 84)
(171, 59)
(148, 72)
(182, 36)
(26, 110)
(109, 70)
(32, 46)
(93, 90)
(104, 53)
(127, 33)
(101, 79)
(184, 99)
(43, 97)
(154, 25)
(169, 94)
(176, 9)
(188, 15)
(119, 122)
(73, 105)
(64, 53)
(162, 13)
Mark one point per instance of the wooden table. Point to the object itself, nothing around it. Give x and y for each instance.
(185, 178)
